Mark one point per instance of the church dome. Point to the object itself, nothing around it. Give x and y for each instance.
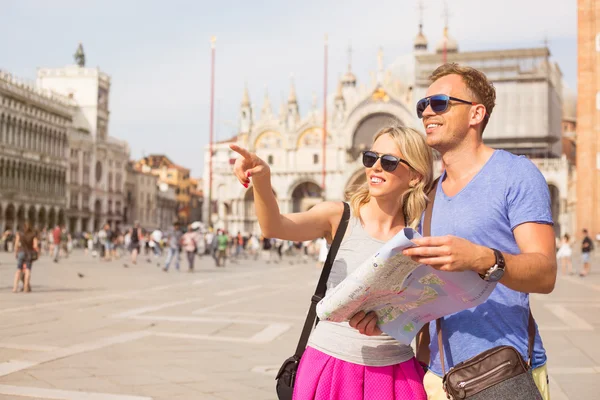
(349, 79)
(420, 40)
(451, 45)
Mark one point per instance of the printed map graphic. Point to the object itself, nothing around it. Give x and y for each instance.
(404, 294)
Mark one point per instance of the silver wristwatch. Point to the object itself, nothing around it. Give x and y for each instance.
(496, 271)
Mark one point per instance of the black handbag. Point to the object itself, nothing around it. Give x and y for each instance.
(286, 377)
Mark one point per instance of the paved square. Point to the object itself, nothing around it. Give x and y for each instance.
(92, 330)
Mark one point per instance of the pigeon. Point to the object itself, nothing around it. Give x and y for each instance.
(125, 265)
(79, 274)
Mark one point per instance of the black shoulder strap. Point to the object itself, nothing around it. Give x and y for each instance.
(322, 285)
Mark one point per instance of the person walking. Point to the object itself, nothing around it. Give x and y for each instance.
(491, 215)
(354, 360)
(26, 249)
(587, 245)
(174, 241)
(564, 255)
(222, 242)
(189, 244)
(56, 240)
(136, 235)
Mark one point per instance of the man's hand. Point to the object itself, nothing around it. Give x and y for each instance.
(366, 323)
(451, 253)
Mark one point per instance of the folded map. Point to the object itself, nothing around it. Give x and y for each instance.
(404, 294)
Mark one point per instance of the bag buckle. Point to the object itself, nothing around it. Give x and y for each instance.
(291, 360)
(316, 299)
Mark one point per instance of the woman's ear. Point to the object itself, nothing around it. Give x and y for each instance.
(414, 179)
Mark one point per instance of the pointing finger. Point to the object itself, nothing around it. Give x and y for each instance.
(241, 151)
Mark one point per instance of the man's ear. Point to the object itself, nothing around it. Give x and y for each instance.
(478, 113)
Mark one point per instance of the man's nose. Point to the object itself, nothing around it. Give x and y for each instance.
(428, 112)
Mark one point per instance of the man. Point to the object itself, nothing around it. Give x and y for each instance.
(174, 241)
(586, 247)
(56, 236)
(222, 242)
(491, 215)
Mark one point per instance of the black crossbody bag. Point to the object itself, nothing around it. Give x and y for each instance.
(286, 377)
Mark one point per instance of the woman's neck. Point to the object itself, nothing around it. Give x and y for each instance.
(383, 215)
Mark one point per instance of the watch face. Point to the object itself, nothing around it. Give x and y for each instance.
(496, 275)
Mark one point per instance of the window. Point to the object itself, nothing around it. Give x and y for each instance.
(597, 41)
(118, 182)
(597, 100)
(74, 200)
(74, 173)
(315, 158)
(86, 175)
(270, 159)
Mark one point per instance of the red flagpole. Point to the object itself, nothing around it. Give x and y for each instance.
(212, 113)
(324, 119)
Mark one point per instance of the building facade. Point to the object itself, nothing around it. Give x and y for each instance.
(166, 206)
(97, 161)
(526, 120)
(145, 200)
(173, 175)
(588, 116)
(196, 200)
(34, 143)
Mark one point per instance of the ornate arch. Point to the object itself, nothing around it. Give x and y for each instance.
(10, 215)
(52, 217)
(41, 219)
(369, 108)
(32, 215)
(305, 195)
(312, 137)
(268, 140)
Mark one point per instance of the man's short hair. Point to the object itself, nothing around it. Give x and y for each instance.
(477, 83)
(585, 230)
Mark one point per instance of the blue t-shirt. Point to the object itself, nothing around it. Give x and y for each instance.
(508, 191)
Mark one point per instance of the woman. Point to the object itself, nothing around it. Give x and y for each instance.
(355, 360)
(564, 254)
(26, 243)
(189, 245)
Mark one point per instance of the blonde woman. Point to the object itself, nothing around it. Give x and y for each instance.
(354, 360)
(564, 254)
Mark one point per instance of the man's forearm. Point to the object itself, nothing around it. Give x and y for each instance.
(529, 273)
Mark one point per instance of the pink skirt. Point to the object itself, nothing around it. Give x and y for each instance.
(322, 377)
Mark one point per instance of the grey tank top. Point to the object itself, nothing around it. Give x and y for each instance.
(339, 339)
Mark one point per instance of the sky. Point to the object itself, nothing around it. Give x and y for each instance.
(158, 52)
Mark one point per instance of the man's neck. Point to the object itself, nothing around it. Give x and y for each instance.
(463, 163)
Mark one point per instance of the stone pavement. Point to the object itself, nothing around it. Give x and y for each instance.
(92, 330)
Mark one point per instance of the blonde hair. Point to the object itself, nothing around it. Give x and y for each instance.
(413, 147)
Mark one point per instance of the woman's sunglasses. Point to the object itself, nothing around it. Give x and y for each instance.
(388, 162)
(439, 103)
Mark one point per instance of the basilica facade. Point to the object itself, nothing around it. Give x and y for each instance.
(526, 121)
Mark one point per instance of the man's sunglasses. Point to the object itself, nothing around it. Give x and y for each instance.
(439, 103)
(388, 162)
